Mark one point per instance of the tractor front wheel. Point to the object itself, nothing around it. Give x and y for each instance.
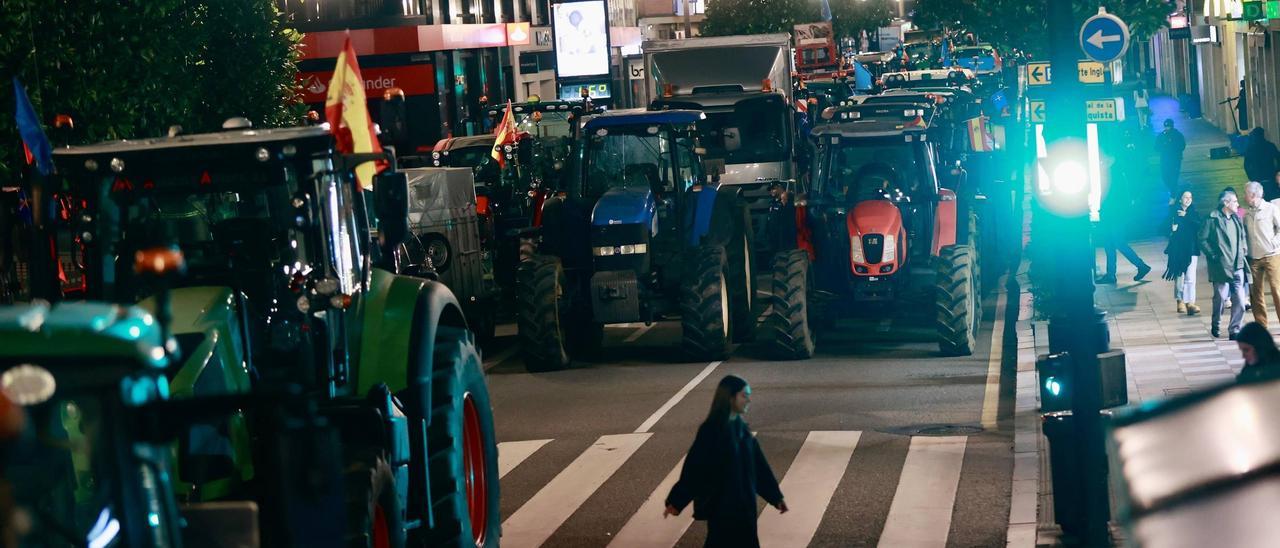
(463, 459)
(957, 300)
(788, 324)
(540, 285)
(704, 305)
(374, 516)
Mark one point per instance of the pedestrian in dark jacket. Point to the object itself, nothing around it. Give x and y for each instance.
(1261, 357)
(725, 471)
(1117, 204)
(1261, 162)
(1169, 144)
(1183, 251)
(1225, 245)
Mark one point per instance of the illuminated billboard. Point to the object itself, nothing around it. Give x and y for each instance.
(582, 38)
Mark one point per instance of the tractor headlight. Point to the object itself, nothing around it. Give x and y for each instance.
(435, 155)
(628, 249)
(890, 249)
(855, 250)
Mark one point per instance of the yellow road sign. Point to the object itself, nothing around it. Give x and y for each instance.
(1091, 72)
(1037, 74)
(1101, 110)
(1037, 112)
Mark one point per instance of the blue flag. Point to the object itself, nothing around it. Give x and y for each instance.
(38, 147)
(826, 10)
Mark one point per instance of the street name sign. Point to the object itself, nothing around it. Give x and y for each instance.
(1101, 110)
(1037, 111)
(1037, 74)
(1104, 37)
(1092, 72)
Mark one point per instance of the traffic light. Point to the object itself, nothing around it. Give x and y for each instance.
(1057, 381)
(1070, 175)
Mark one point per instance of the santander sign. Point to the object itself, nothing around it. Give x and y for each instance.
(413, 79)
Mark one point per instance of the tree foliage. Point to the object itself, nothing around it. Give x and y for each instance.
(1021, 24)
(132, 68)
(849, 17)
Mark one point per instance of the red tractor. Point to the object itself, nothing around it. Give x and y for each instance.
(876, 229)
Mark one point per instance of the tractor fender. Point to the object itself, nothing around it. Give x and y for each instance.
(944, 222)
(565, 232)
(711, 211)
(397, 321)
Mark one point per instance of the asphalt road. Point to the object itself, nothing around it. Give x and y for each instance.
(588, 453)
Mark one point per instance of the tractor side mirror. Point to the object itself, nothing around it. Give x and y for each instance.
(391, 204)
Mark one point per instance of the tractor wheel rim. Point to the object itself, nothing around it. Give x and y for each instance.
(724, 306)
(381, 529)
(474, 471)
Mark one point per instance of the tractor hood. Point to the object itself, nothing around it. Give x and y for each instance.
(207, 328)
(875, 217)
(624, 206)
(91, 330)
(196, 309)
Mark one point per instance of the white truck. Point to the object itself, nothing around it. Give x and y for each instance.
(743, 84)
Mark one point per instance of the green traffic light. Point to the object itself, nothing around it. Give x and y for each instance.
(1070, 177)
(1052, 385)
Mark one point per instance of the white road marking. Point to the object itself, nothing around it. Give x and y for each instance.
(657, 415)
(639, 333)
(647, 528)
(808, 486)
(512, 453)
(920, 515)
(991, 399)
(539, 518)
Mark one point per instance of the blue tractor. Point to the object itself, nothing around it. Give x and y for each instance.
(641, 234)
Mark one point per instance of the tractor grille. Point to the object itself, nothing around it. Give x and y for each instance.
(873, 247)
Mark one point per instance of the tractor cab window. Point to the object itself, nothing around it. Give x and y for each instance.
(690, 166)
(483, 166)
(855, 171)
(629, 157)
(754, 132)
(344, 237)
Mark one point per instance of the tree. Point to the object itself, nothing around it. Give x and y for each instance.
(851, 17)
(132, 68)
(1021, 24)
(733, 17)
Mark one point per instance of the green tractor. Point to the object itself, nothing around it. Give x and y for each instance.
(289, 288)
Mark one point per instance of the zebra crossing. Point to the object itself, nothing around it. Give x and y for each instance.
(813, 479)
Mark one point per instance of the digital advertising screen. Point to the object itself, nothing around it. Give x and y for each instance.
(582, 38)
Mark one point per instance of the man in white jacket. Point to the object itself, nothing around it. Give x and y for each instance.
(1262, 221)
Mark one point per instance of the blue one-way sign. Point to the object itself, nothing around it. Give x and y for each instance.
(1104, 37)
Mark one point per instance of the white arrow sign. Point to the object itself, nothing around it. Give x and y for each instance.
(1098, 39)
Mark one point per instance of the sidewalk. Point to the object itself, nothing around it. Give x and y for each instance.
(1166, 353)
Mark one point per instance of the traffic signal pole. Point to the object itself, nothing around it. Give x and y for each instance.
(1075, 319)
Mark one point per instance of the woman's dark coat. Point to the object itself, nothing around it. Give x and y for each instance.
(723, 473)
(1183, 244)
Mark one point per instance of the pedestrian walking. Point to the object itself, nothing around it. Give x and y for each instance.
(1261, 162)
(1262, 223)
(725, 471)
(1224, 242)
(1170, 144)
(1183, 251)
(1261, 357)
(1117, 202)
(1140, 103)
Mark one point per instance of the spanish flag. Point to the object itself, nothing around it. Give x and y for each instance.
(980, 138)
(505, 135)
(347, 111)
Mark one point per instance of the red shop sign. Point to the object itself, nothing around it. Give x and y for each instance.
(412, 79)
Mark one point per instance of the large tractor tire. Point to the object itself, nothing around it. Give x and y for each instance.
(374, 516)
(788, 325)
(704, 305)
(958, 305)
(540, 287)
(742, 284)
(463, 450)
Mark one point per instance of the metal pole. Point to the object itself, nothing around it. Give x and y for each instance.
(688, 19)
(1075, 315)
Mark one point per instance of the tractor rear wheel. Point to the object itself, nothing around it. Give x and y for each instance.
(788, 325)
(704, 305)
(540, 286)
(374, 516)
(463, 459)
(957, 300)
